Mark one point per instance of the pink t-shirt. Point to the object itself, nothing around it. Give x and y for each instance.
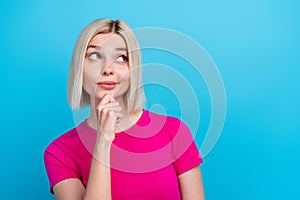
(146, 159)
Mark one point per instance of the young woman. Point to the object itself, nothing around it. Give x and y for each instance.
(121, 151)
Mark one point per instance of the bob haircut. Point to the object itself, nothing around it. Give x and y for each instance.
(134, 98)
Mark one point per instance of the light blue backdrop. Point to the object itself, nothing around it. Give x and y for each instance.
(255, 45)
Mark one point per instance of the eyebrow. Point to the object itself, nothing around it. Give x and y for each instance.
(99, 47)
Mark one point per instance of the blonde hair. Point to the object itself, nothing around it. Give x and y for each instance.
(77, 96)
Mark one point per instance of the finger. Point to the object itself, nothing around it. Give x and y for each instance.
(109, 115)
(108, 124)
(115, 106)
(108, 98)
(119, 116)
(112, 104)
(103, 116)
(99, 107)
(108, 107)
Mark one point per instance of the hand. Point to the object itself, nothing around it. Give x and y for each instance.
(108, 115)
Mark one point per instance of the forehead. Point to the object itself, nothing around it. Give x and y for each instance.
(108, 40)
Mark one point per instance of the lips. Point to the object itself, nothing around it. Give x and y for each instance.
(107, 85)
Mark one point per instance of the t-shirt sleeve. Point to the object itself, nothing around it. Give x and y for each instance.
(185, 152)
(56, 165)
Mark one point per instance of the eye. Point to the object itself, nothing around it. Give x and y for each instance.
(122, 58)
(94, 56)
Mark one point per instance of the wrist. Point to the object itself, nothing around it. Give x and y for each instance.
(105, 138)
(102, 149)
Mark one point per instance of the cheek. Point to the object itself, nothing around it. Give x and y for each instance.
(124, 74)
(90, 77)
(124, 78)
(126, 82)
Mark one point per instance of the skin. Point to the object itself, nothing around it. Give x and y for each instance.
(106, 60)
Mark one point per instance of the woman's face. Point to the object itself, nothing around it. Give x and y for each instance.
(106, 68)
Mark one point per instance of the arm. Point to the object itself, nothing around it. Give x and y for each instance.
(191, 185)
(99, 183)
(69, 189)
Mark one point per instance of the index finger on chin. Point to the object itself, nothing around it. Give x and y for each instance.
(108, 98)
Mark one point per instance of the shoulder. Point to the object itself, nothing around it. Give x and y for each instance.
(63, 141)
(170, 123)
(170, 120)
(61, 157)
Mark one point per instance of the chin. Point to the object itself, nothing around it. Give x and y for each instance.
(101, 94)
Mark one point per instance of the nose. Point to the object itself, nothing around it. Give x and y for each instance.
(108, 70)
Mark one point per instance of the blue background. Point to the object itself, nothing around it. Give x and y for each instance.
(255, 45)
